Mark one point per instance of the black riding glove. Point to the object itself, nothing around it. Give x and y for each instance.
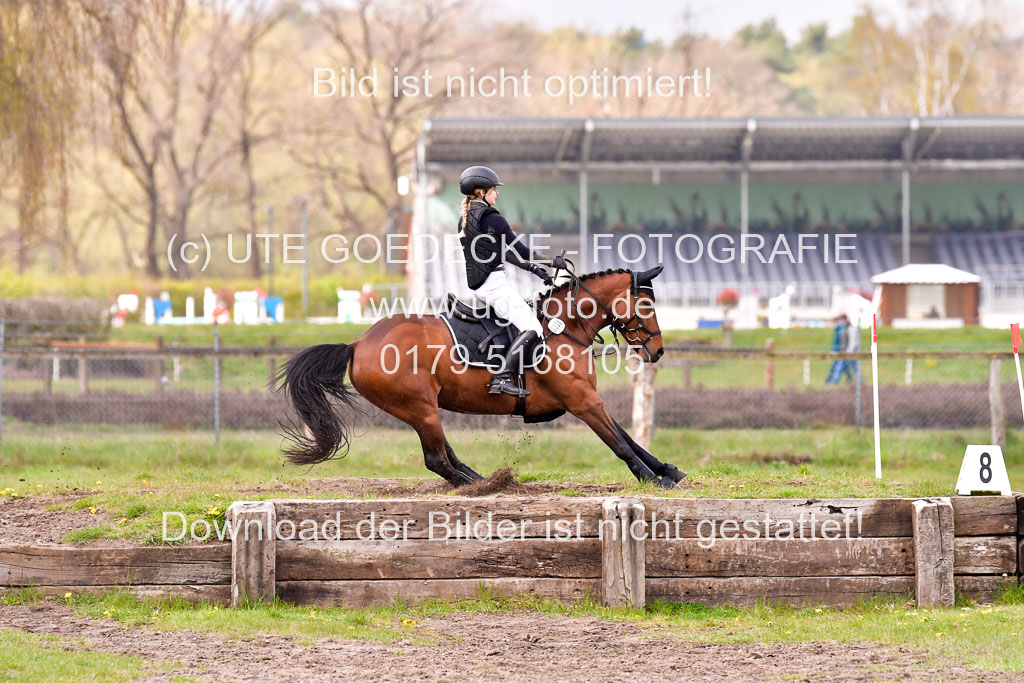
(542, 273)
(559, 263)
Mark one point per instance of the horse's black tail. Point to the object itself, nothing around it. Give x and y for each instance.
(308, 380)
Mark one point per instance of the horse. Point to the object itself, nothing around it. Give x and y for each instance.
(406, 366)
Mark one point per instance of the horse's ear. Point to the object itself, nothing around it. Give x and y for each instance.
(646, 276)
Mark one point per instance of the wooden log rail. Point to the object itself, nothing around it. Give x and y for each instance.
(625, 552)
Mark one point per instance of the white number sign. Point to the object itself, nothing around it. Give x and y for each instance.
(983, 471)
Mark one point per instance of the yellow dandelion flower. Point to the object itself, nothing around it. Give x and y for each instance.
(67, 596)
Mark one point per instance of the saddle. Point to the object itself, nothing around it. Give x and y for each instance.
(481, 338)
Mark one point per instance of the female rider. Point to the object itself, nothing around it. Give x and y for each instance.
(488, 243)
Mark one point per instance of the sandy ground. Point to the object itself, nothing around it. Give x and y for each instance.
(518, 646)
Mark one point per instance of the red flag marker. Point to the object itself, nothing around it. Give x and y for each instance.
(1015, 336)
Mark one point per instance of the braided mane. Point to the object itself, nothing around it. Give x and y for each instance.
(587, 276)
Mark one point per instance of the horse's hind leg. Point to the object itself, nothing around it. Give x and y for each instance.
(459, 465)
(662, 469)
(427, 423)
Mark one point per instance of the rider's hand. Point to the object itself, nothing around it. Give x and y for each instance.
(542, 273)
(559, 263)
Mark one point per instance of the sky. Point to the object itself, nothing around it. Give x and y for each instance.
(663, 19)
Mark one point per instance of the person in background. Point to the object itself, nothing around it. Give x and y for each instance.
(851, 368)
(838, 345)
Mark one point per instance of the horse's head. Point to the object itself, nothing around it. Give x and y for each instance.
(638, 323)
(609, 298)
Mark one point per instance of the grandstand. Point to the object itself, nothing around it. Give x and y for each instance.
(907, 190)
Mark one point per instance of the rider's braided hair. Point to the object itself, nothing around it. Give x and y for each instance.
(465, 204)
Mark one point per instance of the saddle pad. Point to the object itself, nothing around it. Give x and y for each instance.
(467, 336)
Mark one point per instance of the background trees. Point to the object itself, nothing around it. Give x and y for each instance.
(125, 123)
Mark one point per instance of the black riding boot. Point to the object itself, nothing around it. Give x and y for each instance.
(514, 358)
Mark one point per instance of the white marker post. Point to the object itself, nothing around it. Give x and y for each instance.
(874, 387)
(1015, 336)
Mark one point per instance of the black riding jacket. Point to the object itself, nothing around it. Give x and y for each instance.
(488, 242)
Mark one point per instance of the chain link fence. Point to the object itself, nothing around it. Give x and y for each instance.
(69, 380)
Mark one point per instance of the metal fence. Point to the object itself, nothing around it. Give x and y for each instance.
(83, 383)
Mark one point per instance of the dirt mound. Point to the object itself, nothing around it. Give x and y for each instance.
(500, 480)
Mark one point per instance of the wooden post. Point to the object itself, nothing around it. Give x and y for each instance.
(642, 378)
(995, 403)
(49, 370)
(83, 371)
(623, 554)
(687, 373)
(933, 552)
(1019, 499)
(253, 530)
(769, 364)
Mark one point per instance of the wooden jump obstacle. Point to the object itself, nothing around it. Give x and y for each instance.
(710, 551)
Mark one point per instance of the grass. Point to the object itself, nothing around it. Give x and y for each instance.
(982, 637)
(32, 657)
(122, 481)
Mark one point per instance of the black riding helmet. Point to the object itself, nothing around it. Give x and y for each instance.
(477, 177)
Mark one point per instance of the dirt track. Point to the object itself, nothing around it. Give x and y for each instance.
(516, 646)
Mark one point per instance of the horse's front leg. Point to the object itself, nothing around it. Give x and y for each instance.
(662, 469)
(591, 409)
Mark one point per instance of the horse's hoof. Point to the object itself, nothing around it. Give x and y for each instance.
(466, 470)
(674, 473)
(666, 483)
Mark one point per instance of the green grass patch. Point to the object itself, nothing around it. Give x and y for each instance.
(32, 657)
(83, 536)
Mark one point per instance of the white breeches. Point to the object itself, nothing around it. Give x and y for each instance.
(502, 297)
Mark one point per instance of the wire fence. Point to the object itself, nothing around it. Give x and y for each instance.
(94, 383)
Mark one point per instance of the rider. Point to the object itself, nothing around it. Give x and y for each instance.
(488, 243)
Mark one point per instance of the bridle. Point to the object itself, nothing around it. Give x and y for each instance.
(630, 332)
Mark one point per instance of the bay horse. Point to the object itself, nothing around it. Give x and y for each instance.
(406, 366)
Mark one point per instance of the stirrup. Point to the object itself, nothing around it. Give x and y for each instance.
(505, 385)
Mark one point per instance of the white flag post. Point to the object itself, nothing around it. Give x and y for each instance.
(874, 387)
(1015, 336)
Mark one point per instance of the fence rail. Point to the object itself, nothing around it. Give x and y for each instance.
(697, 386)
(673, 353)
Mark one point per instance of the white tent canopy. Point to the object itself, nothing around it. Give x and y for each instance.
(925, 274)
